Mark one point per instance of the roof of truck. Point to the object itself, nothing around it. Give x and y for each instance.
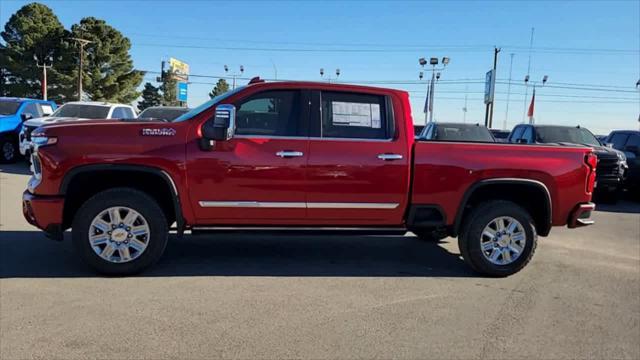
(320, 84)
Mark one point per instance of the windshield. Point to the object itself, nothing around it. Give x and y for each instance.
(556, 134)
(168, 114)
(9, 107)
(82, 111)
(453, 132)
(207, 105)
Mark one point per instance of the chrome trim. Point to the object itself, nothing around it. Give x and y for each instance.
(301, 228)
(253, 204)
(388, 157)
(289, 154)
(336, 205)
(297, 205)
(308, 138)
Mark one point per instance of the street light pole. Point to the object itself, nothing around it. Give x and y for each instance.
(496, 50)
(328, 78)
(81, 43)
(234, 75)
(435, 76)
(44, 67)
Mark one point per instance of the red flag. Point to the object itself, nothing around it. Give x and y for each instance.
(533, 100)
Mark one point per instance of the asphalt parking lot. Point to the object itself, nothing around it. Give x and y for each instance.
(240, 296)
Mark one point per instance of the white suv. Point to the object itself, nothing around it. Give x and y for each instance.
(75, 110)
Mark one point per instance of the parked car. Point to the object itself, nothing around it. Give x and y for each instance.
(500, 135)
(13, 112)
(456, 132)
(256, 159)
(168, 113)
(612, 164)
(73, 111)
(628, 141)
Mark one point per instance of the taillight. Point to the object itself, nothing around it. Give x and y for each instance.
(592, 161)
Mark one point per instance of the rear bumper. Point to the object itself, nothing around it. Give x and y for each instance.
(581, 215)
(44, 212)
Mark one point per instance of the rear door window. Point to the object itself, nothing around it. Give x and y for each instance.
(355, 116)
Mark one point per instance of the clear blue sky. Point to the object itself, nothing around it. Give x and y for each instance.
(596, 43)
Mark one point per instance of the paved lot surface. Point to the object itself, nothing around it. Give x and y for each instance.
(321, 297)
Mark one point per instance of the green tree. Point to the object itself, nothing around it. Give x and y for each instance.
(34, 30)
(221, 87)
(108, 69)
(169, 90)
(150, 97)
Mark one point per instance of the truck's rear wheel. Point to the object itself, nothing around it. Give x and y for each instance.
(120, 231)
(497, 238)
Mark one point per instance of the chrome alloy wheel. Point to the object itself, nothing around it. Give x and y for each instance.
(119, 234)
(503, 240)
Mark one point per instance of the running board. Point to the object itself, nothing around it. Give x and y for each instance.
(306, 230)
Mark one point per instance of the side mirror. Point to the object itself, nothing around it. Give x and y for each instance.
(26, 116)
(609, 145)
(221, 127)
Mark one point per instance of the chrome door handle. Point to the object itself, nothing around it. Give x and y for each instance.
(289, 154)
(388, 157)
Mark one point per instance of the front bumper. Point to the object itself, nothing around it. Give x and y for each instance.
(44, 212)
(581, 215)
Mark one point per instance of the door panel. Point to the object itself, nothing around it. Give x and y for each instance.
(349, 182)
(257, 177)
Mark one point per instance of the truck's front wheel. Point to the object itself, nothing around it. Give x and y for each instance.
(120, 231)
(497, 238)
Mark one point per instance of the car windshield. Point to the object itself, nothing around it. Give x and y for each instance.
(82, 111)
(168, 114)
(557, 134)
(9, 107)
(207, 105)
(461, 132)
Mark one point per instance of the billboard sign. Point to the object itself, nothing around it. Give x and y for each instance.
(489, 87)
(179, 69)
(181, 94)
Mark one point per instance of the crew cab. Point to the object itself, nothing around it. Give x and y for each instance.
(298, 156)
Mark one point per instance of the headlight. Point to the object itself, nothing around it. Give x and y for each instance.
(40, 140)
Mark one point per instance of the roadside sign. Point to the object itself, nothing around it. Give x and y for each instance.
(179, 69)
(181, 94)
(489, 87)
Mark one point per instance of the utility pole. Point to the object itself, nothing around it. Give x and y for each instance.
(44, 67)
(496, 50)
(506, 113)
(81, 43)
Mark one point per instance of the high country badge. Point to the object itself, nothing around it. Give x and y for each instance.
(159, 132)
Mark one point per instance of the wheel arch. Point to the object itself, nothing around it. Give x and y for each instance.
(104, 172)
(540, 210)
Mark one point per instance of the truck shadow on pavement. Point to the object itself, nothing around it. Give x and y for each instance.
(28, 254)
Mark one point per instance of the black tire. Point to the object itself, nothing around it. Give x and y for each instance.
(133, 199)
(8, 150)
(471, 232)
(428, 235)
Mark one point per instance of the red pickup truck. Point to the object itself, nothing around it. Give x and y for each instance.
(298, 156)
